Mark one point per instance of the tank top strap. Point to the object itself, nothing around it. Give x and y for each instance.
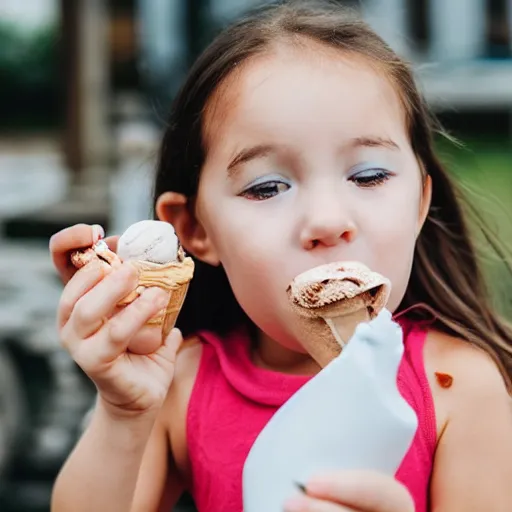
(412, 376)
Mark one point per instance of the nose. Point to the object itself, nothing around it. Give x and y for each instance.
(327, 222)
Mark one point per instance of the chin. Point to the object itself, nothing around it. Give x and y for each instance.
(395, 299)
(280, 335)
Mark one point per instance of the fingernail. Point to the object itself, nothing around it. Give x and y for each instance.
(295, 505)
(316, 485)
(97, 233)
(301, 487)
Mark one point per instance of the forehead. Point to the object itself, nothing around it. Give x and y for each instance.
(311, 88)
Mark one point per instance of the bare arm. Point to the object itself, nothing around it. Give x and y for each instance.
(125, 433)
(159, 484)
(130, 463)
(165, 464)
(119, 464)
(473, 466)
(102, 470)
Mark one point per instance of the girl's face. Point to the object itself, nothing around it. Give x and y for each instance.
(308, 162)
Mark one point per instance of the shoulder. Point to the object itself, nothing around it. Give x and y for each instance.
(472, 368)
(174, 411)
(187, 361)
(476, 437)
(462, 377)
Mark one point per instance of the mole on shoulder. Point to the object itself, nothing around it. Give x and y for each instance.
(445, 380)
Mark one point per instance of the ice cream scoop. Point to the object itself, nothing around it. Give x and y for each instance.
(149, 240)
(153, 248)
(338, 296)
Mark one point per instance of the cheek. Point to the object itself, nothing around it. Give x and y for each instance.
(249, 238)
(259, 283)
(250, 255)
(256, 261)
(393, 249)
(244, 241)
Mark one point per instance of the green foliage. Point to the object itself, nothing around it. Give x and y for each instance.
(29, 67)
(483, 170)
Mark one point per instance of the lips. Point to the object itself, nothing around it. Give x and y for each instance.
(336, 282)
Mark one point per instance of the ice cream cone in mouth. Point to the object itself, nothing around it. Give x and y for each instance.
(152, 247)
(338, 296)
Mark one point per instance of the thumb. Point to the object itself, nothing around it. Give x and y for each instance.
(111, 241)
(171, 346)
(362, 490)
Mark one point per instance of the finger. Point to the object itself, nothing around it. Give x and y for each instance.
(113, 338)
(131, 320)
(91, 309)
(69, 239)
(308, 504)
(147, 340)
(81, 283)
(111, 241)
(365, 491)
(170, 346)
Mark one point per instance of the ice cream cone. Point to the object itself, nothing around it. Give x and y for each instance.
(165, 266)
(174, 278)
(331, 300)
(343, 326)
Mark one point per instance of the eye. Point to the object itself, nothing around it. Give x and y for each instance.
(370, 178)
(265, 190)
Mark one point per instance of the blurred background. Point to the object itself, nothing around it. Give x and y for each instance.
(84, 91)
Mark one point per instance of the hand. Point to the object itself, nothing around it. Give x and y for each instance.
(354, 491)
(97, 334)
(79, 236)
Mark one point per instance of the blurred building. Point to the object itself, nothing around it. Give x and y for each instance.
(462, 48)
(121, 61)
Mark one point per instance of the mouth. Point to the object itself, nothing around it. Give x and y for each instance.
(330, 283)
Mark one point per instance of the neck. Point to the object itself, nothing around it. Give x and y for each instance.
(271, 355)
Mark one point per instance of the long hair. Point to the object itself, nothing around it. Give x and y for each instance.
(446, 279)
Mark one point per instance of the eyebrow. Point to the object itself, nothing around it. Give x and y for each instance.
(263, 150)
(373, 142)
(248, 154)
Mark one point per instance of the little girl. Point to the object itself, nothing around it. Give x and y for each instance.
(299, 138)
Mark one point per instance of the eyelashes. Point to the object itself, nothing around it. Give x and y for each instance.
(370, 178)
(262, 190)
(265, 190)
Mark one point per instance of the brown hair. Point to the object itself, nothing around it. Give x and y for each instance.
(446, 279)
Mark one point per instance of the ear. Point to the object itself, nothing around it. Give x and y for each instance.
(178, 210)
(425, 200)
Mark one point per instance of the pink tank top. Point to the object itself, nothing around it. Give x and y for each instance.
(233, 399)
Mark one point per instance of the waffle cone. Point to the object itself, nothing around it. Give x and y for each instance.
(331, 301)
(174, 278)
(324, 337)
(167, 318)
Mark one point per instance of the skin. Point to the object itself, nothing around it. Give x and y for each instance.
(321, 212)
(326, 135)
